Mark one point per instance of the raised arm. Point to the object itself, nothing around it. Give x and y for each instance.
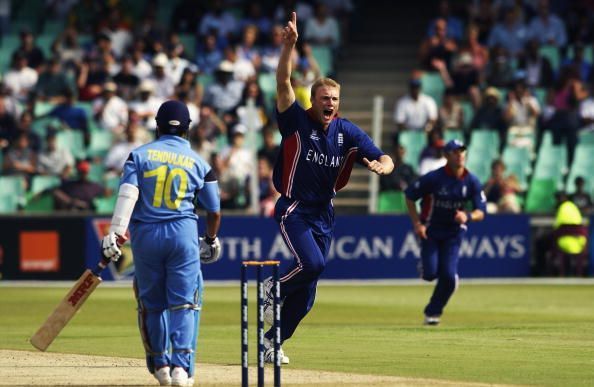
(285, 94)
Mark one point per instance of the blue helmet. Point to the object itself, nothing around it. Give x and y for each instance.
(173, 117)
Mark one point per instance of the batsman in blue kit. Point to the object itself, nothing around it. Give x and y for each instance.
(317, 153)
(161, 184)
(443, 222)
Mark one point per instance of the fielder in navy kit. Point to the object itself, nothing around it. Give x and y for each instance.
(317, 154)
(161, 183)
(443, 222)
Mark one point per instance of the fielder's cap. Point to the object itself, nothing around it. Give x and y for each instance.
(160, 60)
(225, 67)
(414, 82)
(453, 145)
(173, 117)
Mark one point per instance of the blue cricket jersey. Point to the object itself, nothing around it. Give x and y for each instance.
(169, 176)
(314, 164)
(442, 193)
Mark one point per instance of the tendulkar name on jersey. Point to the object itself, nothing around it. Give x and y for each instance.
(170, 158)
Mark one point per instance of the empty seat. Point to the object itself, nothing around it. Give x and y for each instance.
(541, 196)
(432, 84)
(391, 202)
(41, 183)
(413, 141)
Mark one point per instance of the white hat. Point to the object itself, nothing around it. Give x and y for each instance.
(225, 66)
(160, 60)
(146, 85)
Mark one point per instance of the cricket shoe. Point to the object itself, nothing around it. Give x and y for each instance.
(431, 320)
(179, 377)
(162, 375)
(269, 353)
(269, 301)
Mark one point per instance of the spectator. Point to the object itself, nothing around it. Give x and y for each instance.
(8, 125)
(267, 194)
(322, 29)
(54, 159)
(415, 111)
(247, 49)
(210, 123)
(118, 32)
(21, 78)
(437, 46)
(126, 81)
(142, 67)
(494, 188)
(78, 194)
(24, 127)
(235, 167)
(511, 34)
(162, 81)
(67, 48)
(271, 51)
(225, 93)
(306, 73)
(538, 69)
(146, 105)
(254, 16)
(209, 54)
(479, 53)
(455, 25)
(251, 109)
(509, 199)
(547, 27)
(92, 75)
(270, 147)
(193, 109)
(177, 65)
(72, 116)
(20, 160)
(499, 71)
(190, 85)
(403, 174)
(451, 115)
(243, 69)
(580, 197)
(482, 13)
(52, 82)
(34, 55)
(464, 79)
(578, 63)
(218, 20)
(570, 240)
(200, 143)
(521, 113)
(490, 114)
(110, 111)
(432, 156)
(118, 153)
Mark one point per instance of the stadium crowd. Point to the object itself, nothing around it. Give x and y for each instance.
(514, 80)
(82, 82)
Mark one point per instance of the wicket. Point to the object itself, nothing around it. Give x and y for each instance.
(260, 321)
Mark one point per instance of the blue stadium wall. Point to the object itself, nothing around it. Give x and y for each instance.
(364, 247)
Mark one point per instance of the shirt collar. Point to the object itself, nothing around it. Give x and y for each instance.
(450, 172)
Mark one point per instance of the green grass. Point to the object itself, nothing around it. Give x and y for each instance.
(520, 334)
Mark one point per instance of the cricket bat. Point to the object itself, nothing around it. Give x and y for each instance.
(66, 309)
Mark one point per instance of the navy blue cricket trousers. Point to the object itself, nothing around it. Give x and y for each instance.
(307, 231)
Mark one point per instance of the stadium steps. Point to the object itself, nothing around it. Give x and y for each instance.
(377, 60)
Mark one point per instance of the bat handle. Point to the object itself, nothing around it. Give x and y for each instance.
(100, 266)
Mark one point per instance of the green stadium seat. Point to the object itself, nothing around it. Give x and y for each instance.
(586, 137)
(541, 196)
(189, 43)
(413, 141)
(449, 135)
(97, 172)
(206, 80)
(432, 84)
(552, 54)
(323, 55)
(517, 162)
(74, 141)
(551, 163)
(541, 95)
(43, 203)
(53, 27)
(13, 185)
(41, 183)
(486, 141)
(8, 203)
(267, 82)
(468, 111)
(113, 183)
(588, 53)
(105, 205)
(44, 42)
(43, 108)
(391, 202)
(583, 165)
(101, 141)
(479, 165)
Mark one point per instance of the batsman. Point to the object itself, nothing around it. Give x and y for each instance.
(162, 183)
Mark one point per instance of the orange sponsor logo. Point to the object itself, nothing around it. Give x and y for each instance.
(39, 251)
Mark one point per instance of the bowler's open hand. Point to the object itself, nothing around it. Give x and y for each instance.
(375, 166)
(290, 31)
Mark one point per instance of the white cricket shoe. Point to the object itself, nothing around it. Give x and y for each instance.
(269, 301)
(269, 353)
(431, 320)
(162, 375)
(179, 377)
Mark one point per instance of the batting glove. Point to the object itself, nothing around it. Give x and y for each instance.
(210, 249)
(110, 246)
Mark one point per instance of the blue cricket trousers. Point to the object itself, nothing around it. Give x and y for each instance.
(307, 231)
(439, 259)
(168, 283)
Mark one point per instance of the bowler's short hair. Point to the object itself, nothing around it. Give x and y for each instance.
(323, 82)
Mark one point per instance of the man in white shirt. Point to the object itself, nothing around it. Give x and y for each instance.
(20, 78)
(110, 110)
(415, 111)
(147, 105)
